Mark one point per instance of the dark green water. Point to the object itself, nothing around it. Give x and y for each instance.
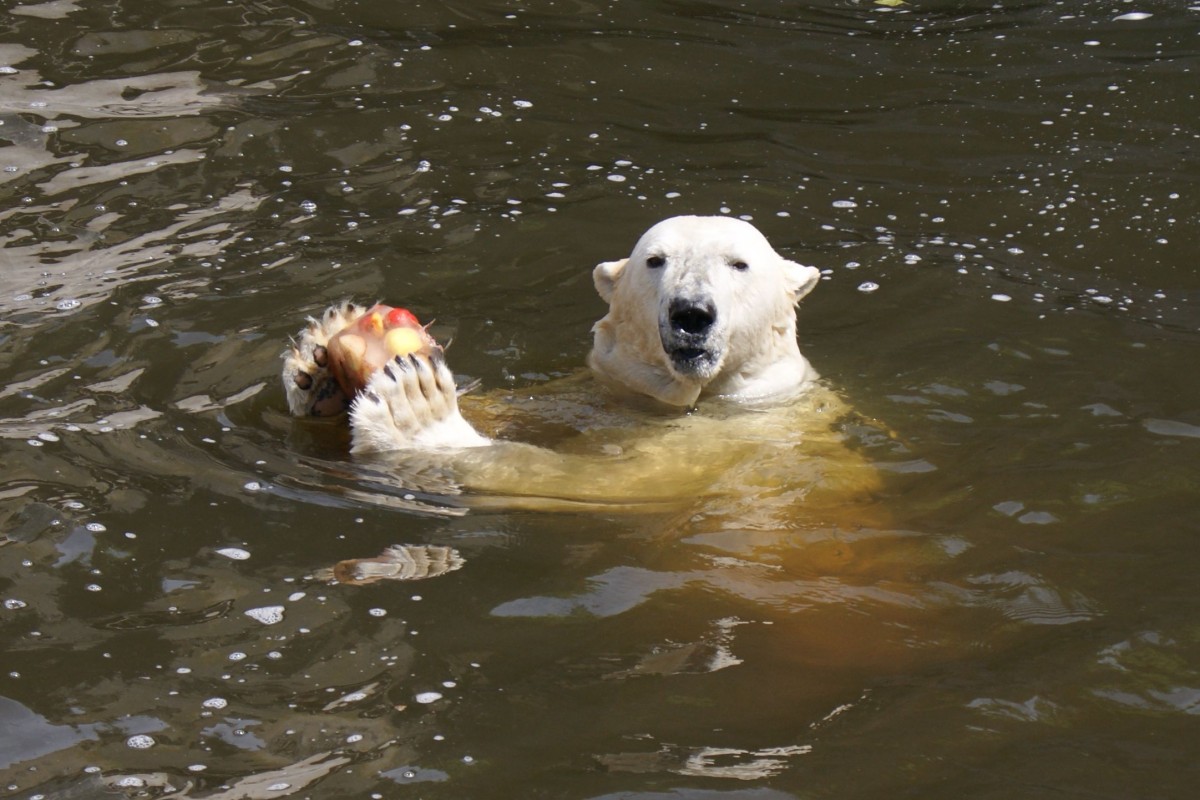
(184, 181)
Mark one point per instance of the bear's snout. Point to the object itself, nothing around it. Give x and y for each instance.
(691, 317)
(687, 330)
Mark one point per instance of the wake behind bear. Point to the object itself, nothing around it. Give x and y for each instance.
(701, 322)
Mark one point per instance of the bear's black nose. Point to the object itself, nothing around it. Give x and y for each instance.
(692, 316)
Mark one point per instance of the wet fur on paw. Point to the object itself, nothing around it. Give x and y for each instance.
(411, 403)
(308, 382)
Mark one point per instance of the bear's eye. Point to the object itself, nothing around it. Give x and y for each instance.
(740, 266)
(654, 262)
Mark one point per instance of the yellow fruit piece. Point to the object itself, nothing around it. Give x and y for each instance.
(403, 341)
(372, 324)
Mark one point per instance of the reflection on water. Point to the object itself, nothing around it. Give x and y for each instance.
(1001, 200)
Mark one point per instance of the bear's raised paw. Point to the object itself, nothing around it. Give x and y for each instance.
(412, 403)
(308, 380)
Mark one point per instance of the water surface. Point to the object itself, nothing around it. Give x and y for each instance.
(1002, 197)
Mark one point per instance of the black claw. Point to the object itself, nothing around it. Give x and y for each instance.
(387, 370)
(303, 381)
(320, 356)
(416, 362)
(402, 363)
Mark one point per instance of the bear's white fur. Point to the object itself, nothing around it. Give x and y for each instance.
(723, 270)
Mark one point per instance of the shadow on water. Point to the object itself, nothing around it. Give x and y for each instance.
(1001, 199)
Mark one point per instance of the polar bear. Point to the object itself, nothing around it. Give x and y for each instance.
(696, 387)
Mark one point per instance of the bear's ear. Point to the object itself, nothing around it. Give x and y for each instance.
(606, 275)
(800, 279)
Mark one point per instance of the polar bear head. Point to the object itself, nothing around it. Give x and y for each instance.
(703, 306)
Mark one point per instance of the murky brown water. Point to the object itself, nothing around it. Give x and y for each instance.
(1003, 196)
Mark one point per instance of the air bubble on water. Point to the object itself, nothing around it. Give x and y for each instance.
(844, 204)
(424, 166)
(152, 300)
(1132, 16)
(140, 742)
(267, 615)
(468, 760)
(235, 553)
(120, 142)
(8, 71)
(237, 655)
(428, 697)
(93, 587)
(867, 287)
(47, 436)
(378, 612)
(279, 787)
(130, 782)
(308, 207)
(215, 703)
(1001, 298)
(197, 767)
(522, 104)
(252, 486)
(68, 304)
(96, 527)
(13, 604)
(353, 738)
(616, 178)
(449, 684)
(294, 596)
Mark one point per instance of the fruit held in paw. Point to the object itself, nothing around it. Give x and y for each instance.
(374, 339)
